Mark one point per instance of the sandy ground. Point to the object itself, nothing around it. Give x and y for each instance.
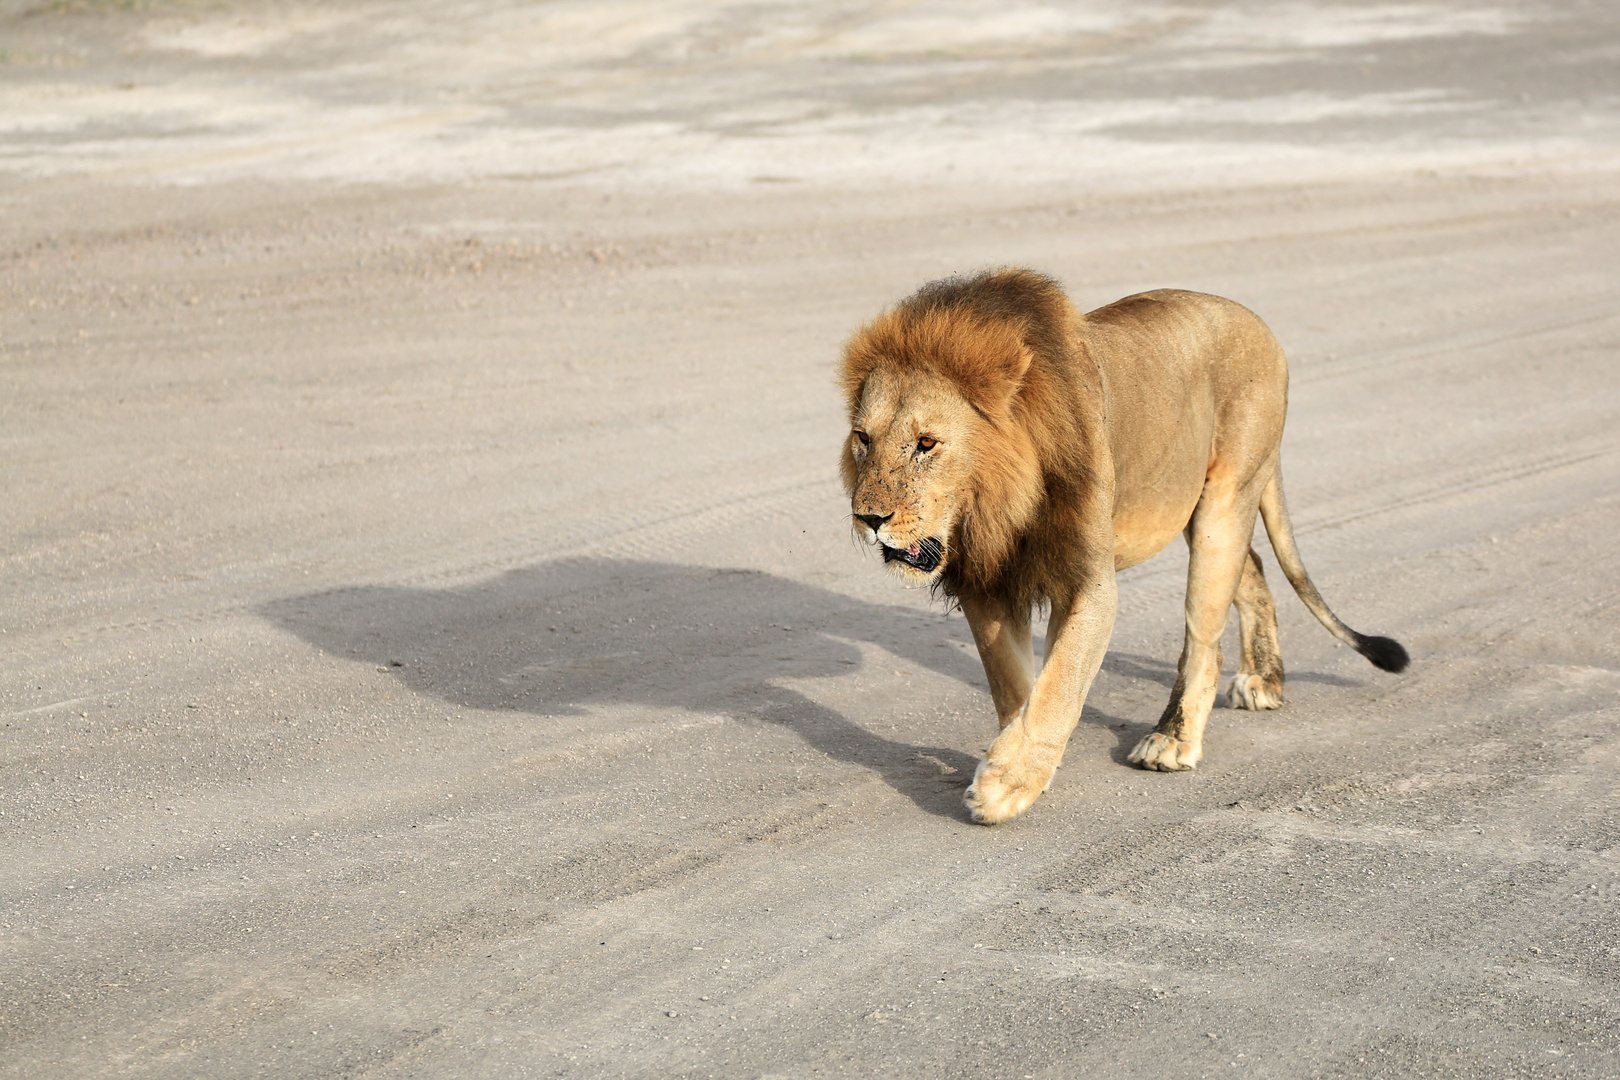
(432, 644)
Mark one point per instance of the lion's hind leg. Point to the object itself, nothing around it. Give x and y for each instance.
(1259, 680)
(1218, 536)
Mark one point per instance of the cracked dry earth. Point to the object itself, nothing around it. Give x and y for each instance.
(433, 644)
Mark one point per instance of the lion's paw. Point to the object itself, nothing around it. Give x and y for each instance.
(1251, 692)
(1165, 753)
(1004, 791)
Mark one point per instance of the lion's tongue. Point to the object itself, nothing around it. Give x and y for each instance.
(914, 550)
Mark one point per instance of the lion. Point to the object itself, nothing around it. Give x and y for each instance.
(1013, 453)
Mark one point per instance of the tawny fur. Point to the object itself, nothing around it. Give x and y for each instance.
(1040, 450)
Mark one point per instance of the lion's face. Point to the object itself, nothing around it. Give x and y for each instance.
(908, 463)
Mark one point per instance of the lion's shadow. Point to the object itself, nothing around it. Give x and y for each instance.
(557, 638)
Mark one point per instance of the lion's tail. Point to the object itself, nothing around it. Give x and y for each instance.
(1386, 653)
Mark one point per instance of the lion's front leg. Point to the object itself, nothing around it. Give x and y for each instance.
(1015, 771)
(1019, 764)
(1002, 636)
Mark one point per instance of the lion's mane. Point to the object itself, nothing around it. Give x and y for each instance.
(1006, 340)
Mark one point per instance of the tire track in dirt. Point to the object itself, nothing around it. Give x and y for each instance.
(1468, 341)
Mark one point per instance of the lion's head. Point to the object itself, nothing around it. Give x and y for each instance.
(943, 462)
(911, 455)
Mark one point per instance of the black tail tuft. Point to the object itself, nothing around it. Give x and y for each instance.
(1386, 653)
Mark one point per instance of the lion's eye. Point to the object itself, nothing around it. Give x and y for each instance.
(863, 438)
(926, 444)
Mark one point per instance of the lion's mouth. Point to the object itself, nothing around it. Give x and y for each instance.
(924, 555)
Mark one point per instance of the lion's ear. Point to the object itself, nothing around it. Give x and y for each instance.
(988, 361)
(862, 353)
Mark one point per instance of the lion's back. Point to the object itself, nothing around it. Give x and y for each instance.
(1201, 346)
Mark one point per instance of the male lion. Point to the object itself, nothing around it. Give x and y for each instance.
(1010, 451)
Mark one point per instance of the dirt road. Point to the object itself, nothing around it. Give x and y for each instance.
(432, 643)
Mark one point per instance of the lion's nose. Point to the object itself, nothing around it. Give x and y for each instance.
(873, 521)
